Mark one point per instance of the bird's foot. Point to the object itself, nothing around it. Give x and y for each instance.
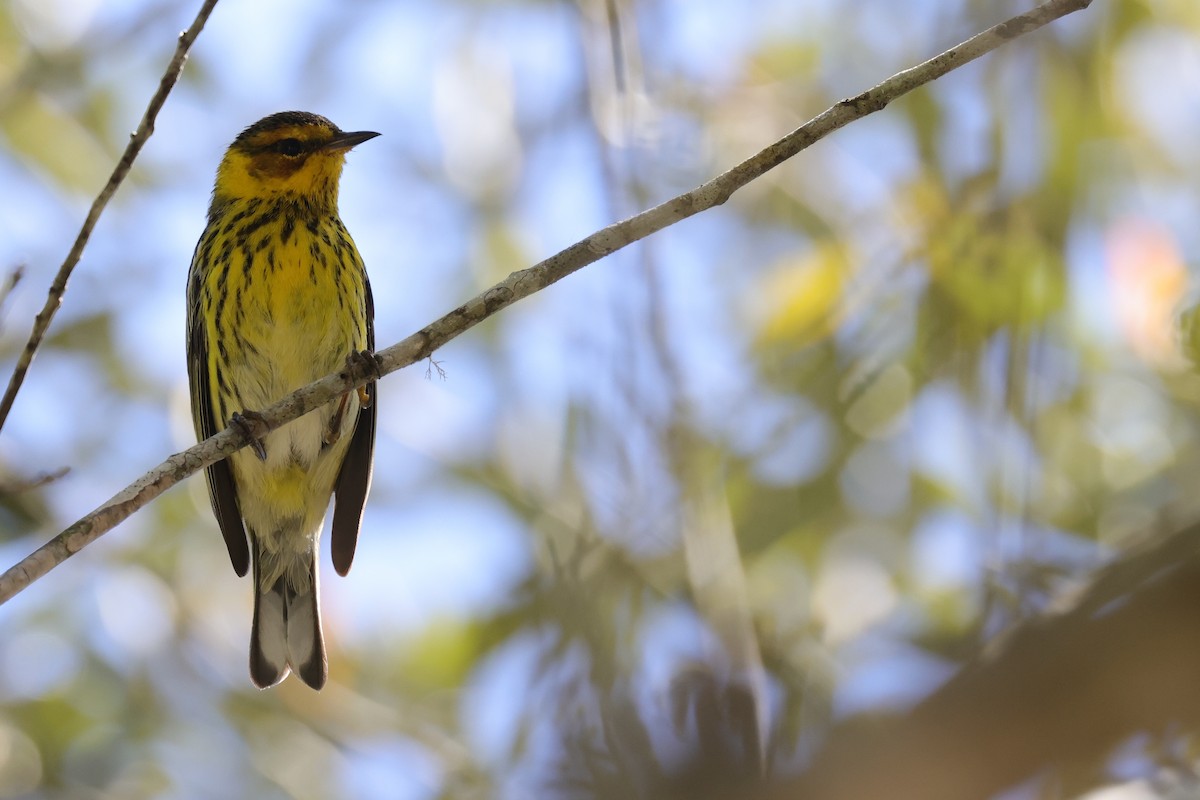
(246, 420)
(333, 431)
(364, 358)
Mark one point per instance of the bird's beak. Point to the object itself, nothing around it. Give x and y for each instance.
(344, 141)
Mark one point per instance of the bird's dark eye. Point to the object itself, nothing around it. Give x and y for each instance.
(289, 147)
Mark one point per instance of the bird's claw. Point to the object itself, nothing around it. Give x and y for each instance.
(245, 420)
(371, 362)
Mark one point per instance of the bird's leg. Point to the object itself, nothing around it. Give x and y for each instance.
(371, 361)
(333, 431)
(246, 421)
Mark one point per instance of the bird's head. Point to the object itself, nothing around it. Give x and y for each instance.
(290, 153)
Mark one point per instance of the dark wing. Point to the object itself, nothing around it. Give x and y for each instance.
(221, 490)
(354, 480)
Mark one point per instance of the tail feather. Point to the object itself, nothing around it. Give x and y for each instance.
(305, 644)
(286, 632)
(268, 633)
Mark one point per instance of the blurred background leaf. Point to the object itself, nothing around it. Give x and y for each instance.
(883, 404)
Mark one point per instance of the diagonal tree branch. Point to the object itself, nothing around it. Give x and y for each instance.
(137, 139)
(1064, 687)
(517, 286)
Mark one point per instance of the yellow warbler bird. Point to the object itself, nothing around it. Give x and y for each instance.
(278, 297)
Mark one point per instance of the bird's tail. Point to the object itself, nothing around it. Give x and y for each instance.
(286, 632)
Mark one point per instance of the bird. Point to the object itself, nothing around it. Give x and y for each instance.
(277, 297)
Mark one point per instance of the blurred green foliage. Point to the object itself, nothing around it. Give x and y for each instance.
(830, 436)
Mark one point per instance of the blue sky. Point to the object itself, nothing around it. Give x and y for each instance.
(484, 166)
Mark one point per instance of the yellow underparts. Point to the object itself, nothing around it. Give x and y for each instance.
(284, 306)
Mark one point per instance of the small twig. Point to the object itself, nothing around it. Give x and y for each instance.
(515, 287)
(137, 139)
(434, 366)
(14, 278)
(19, 485)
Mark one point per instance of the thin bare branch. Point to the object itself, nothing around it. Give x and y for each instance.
(10, 284)
(137, 139)
(11, 486)
(516, 286)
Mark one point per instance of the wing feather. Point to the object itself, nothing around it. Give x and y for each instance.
(221, 489)
(354, 479)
